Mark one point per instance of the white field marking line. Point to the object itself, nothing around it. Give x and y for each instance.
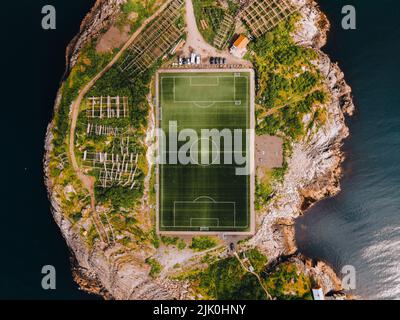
(190, 77)
(221, 152)
(174, 89)
(212, 201)
(234, 89)
(161, 175)
(205, 197)
(219, 101)
(248, 148)
(214, 145)
(197, 104)
(183, 77)
(236, 102)
(248, 180)
(196, 166)
(191, 224)
(206, 101)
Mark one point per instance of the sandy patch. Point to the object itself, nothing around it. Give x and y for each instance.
(269, 151)
(112, 39)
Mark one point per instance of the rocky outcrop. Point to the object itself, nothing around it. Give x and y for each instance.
(107, 270)
(315, 165)
(323, 275)
(314, 172)
(101, 16)
(315, 25)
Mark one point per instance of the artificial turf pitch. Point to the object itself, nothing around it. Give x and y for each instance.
(198, 197)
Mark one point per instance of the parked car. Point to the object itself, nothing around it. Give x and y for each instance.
(192, 58)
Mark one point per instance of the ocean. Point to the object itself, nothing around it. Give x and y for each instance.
(361, 225)
(33, 62)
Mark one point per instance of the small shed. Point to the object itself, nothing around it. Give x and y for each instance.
(239, 47)
(318, 294)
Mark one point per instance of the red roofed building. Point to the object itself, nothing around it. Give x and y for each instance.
(239, 47)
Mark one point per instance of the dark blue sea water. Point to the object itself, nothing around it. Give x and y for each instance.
(32, 63)
(361, 226)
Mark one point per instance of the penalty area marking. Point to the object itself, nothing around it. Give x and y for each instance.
(205, 106)
(204, 200)
(204, 226)
(196, 102)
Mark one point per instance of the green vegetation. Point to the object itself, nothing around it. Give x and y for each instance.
(90, 63)
(264, 190)
(287, 283)
(91, 236)
(154, 238)
(289, 85)
(134, 12)
(268, 179)
(202, 243)
(233, 7)
(115, 83)
(178, 242)
(226, 280)
(213, 14)
(155, 267)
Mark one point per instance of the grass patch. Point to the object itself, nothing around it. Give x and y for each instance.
(211, 12)
(175, 241)
(155, 267)
(214, 198)
(288, 83)
(227, 280)
(202, 243)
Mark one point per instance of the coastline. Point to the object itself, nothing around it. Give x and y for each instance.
(315, 167)
(314, 173)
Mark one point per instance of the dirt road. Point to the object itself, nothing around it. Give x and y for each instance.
(255, 274)
(88, 181)
(196, 42)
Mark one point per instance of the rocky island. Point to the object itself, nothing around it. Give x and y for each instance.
(107, 107)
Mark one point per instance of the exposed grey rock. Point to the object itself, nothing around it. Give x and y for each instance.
(314, 172)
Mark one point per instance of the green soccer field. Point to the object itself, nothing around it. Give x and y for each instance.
(206, 194)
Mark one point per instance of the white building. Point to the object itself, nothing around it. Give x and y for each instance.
(318, 294)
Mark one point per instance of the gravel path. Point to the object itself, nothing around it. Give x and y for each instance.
(195, 41)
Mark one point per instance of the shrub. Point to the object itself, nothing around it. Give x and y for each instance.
(202, 243)
(155, 267)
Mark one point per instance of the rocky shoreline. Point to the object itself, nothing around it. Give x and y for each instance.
(315, 165)
(314, 173)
